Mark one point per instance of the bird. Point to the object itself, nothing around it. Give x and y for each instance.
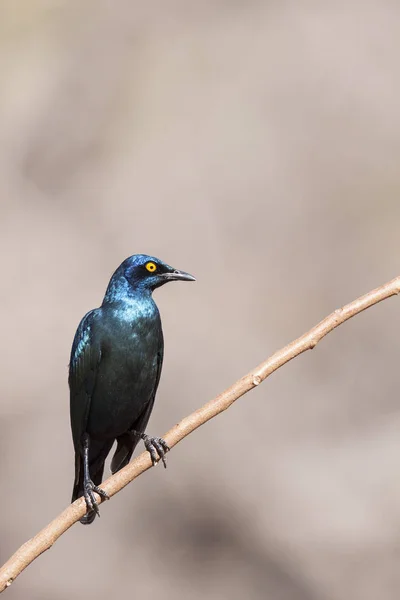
(114, 371)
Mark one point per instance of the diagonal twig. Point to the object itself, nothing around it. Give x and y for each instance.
(42, 541)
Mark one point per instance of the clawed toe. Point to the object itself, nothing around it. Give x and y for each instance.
(157, 447)
(91, 503)
(101, 492)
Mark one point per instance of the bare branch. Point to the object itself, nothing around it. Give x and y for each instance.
(50, 534)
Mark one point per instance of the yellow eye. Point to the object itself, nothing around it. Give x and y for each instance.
(151, 267)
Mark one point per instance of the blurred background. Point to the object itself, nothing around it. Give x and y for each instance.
(257, 146)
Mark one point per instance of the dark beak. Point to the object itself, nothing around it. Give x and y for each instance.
(178, 276)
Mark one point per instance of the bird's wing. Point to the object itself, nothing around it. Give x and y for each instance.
(128, 442)
(83, 367)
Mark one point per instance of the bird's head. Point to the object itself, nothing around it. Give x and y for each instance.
(144, 274)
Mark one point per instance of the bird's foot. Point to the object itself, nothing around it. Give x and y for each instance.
(89, 489)
(157, 447)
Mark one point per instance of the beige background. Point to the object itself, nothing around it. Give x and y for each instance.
(256, 145)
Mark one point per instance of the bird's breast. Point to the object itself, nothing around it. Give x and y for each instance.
(131, 343)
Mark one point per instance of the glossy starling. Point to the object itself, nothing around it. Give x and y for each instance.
(115, 367)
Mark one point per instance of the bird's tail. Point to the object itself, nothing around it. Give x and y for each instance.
(125, 446)
(77, 491)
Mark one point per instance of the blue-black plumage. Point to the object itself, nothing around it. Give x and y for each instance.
(114, 371)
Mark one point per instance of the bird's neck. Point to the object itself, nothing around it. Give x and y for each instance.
(119, 290)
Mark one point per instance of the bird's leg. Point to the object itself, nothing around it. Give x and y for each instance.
(155, 446)
(88, 486)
